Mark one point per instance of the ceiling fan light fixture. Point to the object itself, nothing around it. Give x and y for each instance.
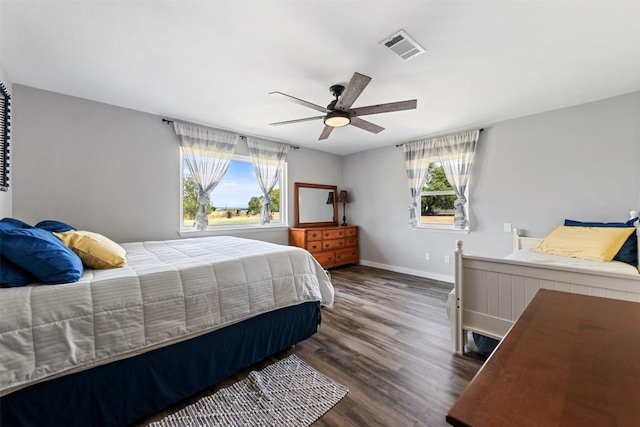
(337, 119)
(339, 112)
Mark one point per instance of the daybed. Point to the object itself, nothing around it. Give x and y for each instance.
(490, 294)
(121, 344)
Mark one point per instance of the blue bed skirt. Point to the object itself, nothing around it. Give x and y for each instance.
(126, 391)
(484, 345)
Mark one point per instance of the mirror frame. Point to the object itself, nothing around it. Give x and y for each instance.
(296, 202)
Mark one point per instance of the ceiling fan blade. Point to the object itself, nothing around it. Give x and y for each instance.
(325, 133)
(297, 121)
(353, 90)
(368, 126)
(301, 102)
(385, 108)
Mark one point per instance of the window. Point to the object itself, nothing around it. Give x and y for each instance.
(236, 200)
(437, 198)
(438, 171)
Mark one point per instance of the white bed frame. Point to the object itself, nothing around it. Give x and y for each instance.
(491, 293)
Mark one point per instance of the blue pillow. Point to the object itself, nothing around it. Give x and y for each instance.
(40, 253)
(13, 223)
(13, 276)
(55, 226)
(628, 253)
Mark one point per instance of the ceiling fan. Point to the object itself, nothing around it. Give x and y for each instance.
(339, 112)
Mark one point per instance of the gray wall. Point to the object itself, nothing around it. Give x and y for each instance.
(115, 171)
(581, 162)
(6, 205)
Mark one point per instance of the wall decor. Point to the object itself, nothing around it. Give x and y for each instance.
(5, 122)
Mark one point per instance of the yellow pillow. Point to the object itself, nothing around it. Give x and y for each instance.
(95, 250)
(590, 243)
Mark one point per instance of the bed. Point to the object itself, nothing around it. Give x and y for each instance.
(121, 344)
(490, 293)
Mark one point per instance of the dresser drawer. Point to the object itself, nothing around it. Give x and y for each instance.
(314, 246)
(347, 255)
(333, 244)
(313, 235)
(332, 234)
(330, 246)
(325, 258)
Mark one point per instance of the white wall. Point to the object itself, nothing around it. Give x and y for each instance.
(6, 198)
(581, 162)
(115, 171)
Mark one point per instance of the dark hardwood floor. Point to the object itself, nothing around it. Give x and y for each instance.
(387, 339)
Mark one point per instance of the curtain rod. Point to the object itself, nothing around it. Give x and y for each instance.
(295, 147)
(437, 136)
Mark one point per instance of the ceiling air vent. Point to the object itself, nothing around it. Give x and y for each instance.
(403, 45)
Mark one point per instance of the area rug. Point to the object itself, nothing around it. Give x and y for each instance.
(287, 393)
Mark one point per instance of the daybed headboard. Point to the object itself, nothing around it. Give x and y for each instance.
(522, 242)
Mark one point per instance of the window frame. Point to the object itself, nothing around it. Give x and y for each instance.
(444, 227)
(220, 229)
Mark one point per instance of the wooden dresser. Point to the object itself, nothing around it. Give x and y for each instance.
(331, 246)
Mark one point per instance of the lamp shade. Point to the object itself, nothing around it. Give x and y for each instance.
(343, 197)
(330, 198)
(337, 119)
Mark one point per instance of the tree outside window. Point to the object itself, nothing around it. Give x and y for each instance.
(190, 200)
(437, 198)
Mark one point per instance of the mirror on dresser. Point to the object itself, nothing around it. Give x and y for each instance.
(315, 205)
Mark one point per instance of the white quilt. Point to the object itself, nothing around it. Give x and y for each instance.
(168, 291)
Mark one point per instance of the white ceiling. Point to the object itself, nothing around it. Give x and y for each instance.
(215, 62)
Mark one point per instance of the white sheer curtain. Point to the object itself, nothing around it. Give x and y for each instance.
(417, 157)
(207, 153)
(268, 160)
(456, 153)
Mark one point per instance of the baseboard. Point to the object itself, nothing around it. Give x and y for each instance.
(412, 272)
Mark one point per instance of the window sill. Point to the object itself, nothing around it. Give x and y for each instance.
(440, 229)
(222, 231)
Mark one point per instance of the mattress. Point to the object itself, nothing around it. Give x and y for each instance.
(617, 267)
(169, 291)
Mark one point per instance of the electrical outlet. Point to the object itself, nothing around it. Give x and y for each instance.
(507, 227)
(447, 259)
(427, 256)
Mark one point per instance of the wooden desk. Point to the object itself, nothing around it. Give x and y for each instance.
(569, 360)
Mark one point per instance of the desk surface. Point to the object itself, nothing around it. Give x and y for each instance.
(569, 360)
